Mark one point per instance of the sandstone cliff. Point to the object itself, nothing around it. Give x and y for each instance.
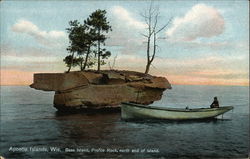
(89, 89)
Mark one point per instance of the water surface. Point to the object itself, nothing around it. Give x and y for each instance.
(28, 120)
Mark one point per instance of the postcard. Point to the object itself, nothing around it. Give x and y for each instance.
(124, 79)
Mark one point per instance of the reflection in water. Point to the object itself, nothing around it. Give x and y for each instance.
(172, 138)
(87, 127)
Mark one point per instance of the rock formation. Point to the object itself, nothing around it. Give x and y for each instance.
(106, 89)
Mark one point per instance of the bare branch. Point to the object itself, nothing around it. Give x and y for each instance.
(144, 35)
(150, 8)
(164, 26)
(144, 15)
(156, 20)
(153, 66)
(114, 61)
(151, 17)
(162, 38)
(151, 33)
(158, 56)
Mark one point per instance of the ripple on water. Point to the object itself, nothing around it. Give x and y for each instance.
(33, 123)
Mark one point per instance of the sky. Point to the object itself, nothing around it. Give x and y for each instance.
(205, 43)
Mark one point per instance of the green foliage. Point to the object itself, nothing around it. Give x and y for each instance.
(98, 24)
(82, 39)
(105, 54)
(91, 61)
(98, 21)
(68, 60)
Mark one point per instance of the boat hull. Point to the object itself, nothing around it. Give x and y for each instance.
(136, 111)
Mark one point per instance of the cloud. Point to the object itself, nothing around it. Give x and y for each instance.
(8, 49)
(31, 58)
(47, 38)
(127, 18)
(46, 64)
(16, 59)
(201, 21)
(126, 31)
(126, 44)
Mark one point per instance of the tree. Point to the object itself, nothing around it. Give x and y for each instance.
(84, 36)
(111, 67)
(98, 24)
(70, 61)
(89, 41)
(151, 17)
(81, 39)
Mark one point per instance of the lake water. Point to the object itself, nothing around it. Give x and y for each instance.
(32, 128)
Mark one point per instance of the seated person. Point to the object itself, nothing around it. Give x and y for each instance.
(215, 103)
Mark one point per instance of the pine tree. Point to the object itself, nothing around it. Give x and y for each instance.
(98, 24)
(81, 41)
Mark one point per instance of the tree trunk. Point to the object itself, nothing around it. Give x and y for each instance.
(98, 69)
(148, 48)
(148, 58)
(72, 59)
(149, 61)
(86, 59)
(69, 68)
(154, 51)
(147, 68)
(81, 68)
(99, 63)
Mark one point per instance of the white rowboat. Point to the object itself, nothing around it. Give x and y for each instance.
(138, 111)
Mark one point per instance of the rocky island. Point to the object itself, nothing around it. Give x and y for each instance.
(98, 90)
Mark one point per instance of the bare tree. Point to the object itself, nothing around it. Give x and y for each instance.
(151, 16)
(111, 67)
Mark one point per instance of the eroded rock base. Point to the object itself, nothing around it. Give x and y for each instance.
(100, 90)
